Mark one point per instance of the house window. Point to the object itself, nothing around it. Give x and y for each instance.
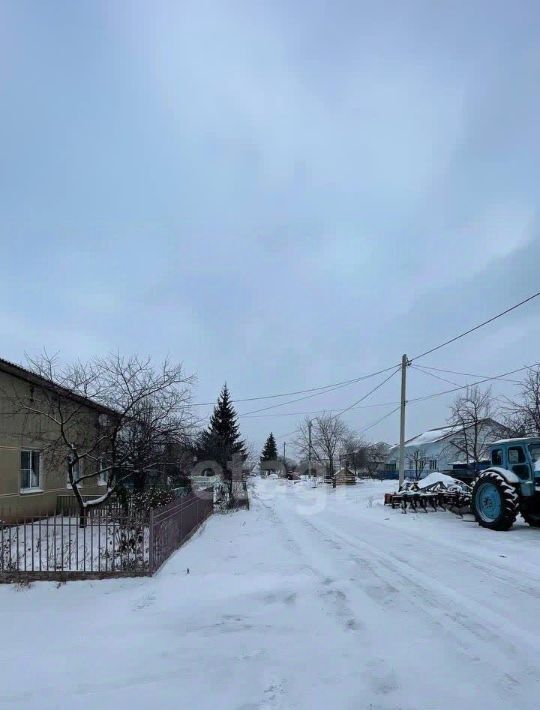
(30, 469)
(103, 473)
(433, 464)
(77, 473)
(391, 466)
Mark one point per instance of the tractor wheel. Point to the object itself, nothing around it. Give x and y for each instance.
(495, 502)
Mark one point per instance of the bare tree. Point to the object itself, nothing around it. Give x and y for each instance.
(471, 416)
(142, 411)
(364, 456)
(327, 437)
(353, 451)
(375, 455)
(417, 462)
(251, 459)
(523, 414)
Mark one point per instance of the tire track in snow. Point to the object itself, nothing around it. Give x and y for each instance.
(334, 598)
(469, 558)
(376, 673)
(397, 564)
(449, 610)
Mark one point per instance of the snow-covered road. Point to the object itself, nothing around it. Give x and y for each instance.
(315, 598)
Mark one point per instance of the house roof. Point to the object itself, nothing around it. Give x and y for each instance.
(22, 373)
(440, 433)
(443, 432)
(432, 435)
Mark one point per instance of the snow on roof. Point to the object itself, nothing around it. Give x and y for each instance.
(441, 432)
(515, 440)
(432, 435)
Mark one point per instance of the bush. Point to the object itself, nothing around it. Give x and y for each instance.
(154, 498)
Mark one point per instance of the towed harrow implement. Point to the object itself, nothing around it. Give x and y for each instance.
(434, 497)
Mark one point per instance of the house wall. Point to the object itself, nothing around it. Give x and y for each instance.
(442, 451)
(23, 429)
(437, 451)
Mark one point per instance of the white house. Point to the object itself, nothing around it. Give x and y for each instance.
(441, 448)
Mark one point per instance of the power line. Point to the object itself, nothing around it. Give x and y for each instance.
(389, 414)
(369, 393)
(438, 377)
(289, 433)
(361, 431)
(476, 327)
(457, 372)
(472, 384)
(300, 399)
(329, 388)
(502, 376)
(315, 411)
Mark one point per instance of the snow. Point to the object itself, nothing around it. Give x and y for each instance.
(521, 439)
(431, 436)
(436, 477)
(315, 598)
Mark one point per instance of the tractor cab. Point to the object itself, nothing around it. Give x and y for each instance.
(522, 458)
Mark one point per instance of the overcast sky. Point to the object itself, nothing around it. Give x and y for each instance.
(279, 194)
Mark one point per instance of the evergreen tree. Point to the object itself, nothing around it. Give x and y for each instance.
(222, 438)
(269, 452)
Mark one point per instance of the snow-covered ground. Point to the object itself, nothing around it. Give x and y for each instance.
(315, 598)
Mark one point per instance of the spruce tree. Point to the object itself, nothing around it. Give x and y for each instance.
(269, 452)
(222, 438)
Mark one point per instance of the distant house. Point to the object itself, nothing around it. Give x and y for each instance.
(30, 478)
(444, 449)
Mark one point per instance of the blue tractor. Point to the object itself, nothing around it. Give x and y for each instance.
(510, 485)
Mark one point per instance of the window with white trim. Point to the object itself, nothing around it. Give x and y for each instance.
(433, 464)
(30, 469)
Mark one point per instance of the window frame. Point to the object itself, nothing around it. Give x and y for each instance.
(79, 470)
(31, 473)
(518, 448)
(501, 455)
(101, 478)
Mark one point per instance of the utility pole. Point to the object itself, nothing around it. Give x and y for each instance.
(404, 365)
(284, 459)
(309, 425)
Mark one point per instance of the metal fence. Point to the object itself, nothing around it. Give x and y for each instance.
(111, 544)
(68, 505)
(173, 523)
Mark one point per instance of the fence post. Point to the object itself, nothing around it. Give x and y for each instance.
(151, 542)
